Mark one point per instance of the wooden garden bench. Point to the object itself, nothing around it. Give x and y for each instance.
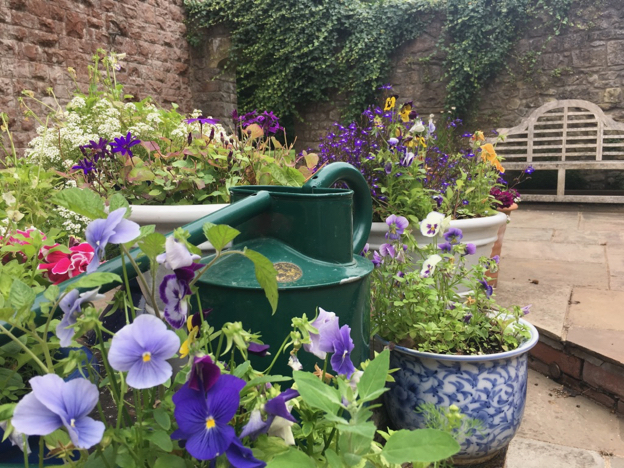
(562, 135)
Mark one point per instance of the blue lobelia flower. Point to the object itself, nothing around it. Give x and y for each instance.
(123, 144)
(203, 419)
(341, 359)
(274, 408)
(142, 348)
(54, 403)
(114, 229)
(396, 226)
(71, 306)
(328, 331)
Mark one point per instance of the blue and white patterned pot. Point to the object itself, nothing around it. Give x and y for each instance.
(490, 388)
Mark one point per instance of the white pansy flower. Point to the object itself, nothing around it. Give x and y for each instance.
(429, 265)
(432, 224)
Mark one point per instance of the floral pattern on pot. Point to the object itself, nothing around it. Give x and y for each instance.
(492, 391)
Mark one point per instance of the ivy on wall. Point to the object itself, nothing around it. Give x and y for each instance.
(293, 52)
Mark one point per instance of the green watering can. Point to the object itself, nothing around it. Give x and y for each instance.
(310, 234)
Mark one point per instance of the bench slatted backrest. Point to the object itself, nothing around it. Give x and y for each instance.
(565, 134)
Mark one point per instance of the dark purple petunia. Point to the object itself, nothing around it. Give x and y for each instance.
(204, 374)
(123, 144)
(99, 149)
(269, 123)
(203, 420)
(341, 359)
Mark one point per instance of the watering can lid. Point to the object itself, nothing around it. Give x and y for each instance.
(294, 269)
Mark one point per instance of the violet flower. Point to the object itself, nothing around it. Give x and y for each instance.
(203, 420)
(204, 374)
(202, 120)
(487, 288)
(258, 349)
(114, 229)
(341, 359)
(429, 265)
(467, 317)
(396, 226)
(471, 249)
(71, 307)
(142, 348)
(453, 235)
(85, 165)
(173, 293)
(526, 309)
(176, 254)
(274, 408)
(54, 403)
(430, 226)
(328, 330)
(445, 247)
(377, 259)
(123, 144)
(387, 250)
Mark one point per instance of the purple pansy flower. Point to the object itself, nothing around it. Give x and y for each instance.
(365, 250)
(453, 235)
(393, 141)
(328, 330)
(445, 247)
(377, 259)
(467, 317)
(71, 306)
(204, 374)
(496, 258)
(258, 349)
(173, 293)
(387, 250)
(203, 420)
(123, 144)
(176, 254)
(471, 249)
(341, 359)
(54, 403)
(274, 408)
(487, 288)
(396, 226)
(114, 229)
(142, 348)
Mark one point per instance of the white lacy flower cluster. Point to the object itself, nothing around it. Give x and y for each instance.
(73, 223)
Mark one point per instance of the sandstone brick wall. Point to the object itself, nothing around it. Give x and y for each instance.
(585, 62)
(39, 39)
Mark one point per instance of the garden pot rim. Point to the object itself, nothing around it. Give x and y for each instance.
(523, 348)
(493, 219)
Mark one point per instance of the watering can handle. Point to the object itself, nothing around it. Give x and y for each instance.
(362, 204)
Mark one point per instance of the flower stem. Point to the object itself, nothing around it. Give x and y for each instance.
(281, 349)
(25, 348)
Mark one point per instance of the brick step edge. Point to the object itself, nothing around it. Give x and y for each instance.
(581, 371)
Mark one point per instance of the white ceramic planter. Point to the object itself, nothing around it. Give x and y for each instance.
(482, 232)
(489, 388)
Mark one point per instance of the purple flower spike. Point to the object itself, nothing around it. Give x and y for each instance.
(258, 349)
(204, 374)
(203, 420)
(453, 235)
(173, 293)
(471, 249)
(328, 331)
(396, 226)
(54, 403)
(341, 359)
(123, 144)
(142, 348)
(71, 306)
(487, 288)
(114, 229)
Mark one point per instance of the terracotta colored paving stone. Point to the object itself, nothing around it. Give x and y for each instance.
(526, 453)
(554, 251)
(601, 221)
(604, 343)
(545, 219)
(521, 233)
(552, 272)
(552, 415)
(597, 309)
(549, 302)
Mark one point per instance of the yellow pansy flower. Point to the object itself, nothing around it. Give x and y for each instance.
(193, 331)
(405, 111)
(390, 103)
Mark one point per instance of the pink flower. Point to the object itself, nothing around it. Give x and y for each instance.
(22, 239)
(60, 266)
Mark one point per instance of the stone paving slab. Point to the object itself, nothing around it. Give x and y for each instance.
(553, 417)
(529, 218)
(596, 221)
(554, 251)
(549, 303)
(604, 343)
(514, 233)
(527, 453)
(553, 272)
(596, 309)
(588, 237)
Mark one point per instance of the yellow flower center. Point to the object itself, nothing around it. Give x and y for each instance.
(147, 356)
(210, 423)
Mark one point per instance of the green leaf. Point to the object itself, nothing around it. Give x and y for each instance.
(152, 245)
(6, 411)
(96, 460)
(373, 381)
(82, 201)
(219, 235)
(21, 295)
(57, 437)
(265, 379)
(316, 393)
(52, 293)
(97, 279)
(169, 461)
(291, 458)
(241, 369)
(162, 418)
(333, 460)
(118, 201)
(265, 274)
(420, 445)
(160, 439)
(288, 176)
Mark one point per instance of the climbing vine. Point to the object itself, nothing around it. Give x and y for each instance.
(292, 52)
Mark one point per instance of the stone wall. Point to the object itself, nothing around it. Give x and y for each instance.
(40, 39)
(584, 62)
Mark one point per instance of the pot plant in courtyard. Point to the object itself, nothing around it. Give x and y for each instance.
(449, 348)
